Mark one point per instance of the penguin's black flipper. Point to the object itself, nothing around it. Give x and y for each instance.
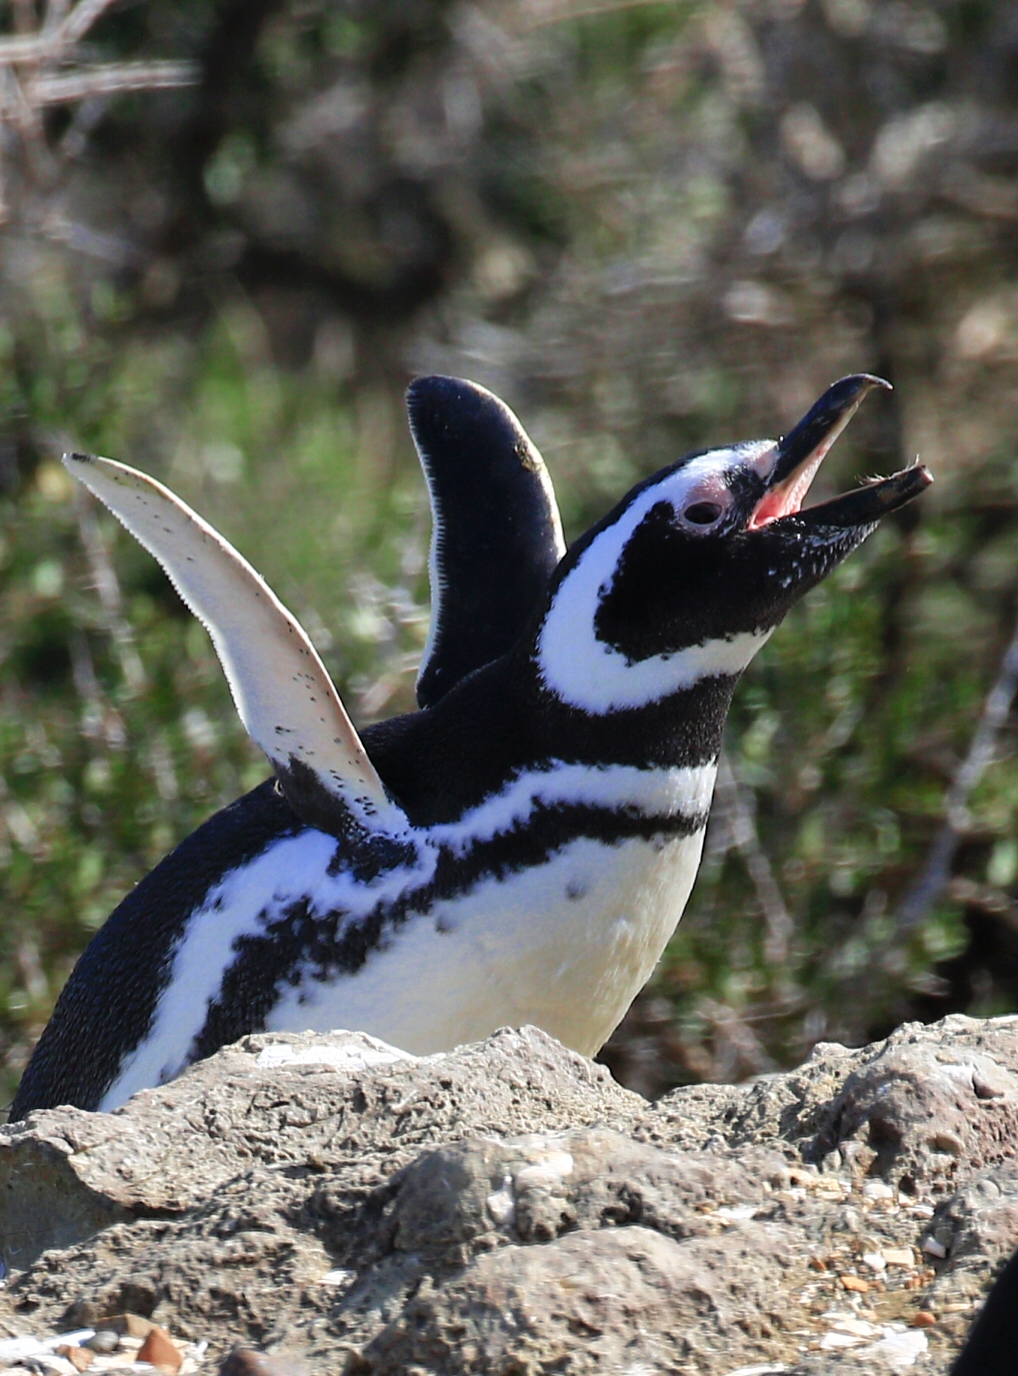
(496, 534)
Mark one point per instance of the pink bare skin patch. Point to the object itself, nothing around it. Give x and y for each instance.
(788, 497)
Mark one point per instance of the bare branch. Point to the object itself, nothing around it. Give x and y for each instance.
(56, 11)
(24, 16)
(77, 24)
(735, 804)
(935, 874)
(738, 1051)
(15, 52)
(539, 13)
(107, 248)
(113, 78)
(38, 69)
(108, 587)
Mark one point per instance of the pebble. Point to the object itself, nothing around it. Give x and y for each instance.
(159, 1350)
(877, 1189)
(501, 1205)
(855, 1328)
(760, 1369)
(876, 1261)
(831, 1342)
(103, 1341)
(925, 1318)
(898, 1256)
(934, 1247)
(898, 1348)
(79, 1357)
(129, 1325)
(856, 1283)
(735, 1213)
(248, 1361)
(337, 1277)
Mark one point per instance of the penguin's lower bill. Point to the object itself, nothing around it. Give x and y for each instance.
(798, 456)
(518, 850)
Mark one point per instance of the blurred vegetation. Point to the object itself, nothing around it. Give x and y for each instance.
(650, 227)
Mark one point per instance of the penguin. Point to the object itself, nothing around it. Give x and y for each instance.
(521, 848)
(991, 1347)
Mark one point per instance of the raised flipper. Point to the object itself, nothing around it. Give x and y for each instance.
(283, 692)
(496, 534)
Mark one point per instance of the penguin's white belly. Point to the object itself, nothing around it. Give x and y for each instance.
(565, 941)
(566, 945)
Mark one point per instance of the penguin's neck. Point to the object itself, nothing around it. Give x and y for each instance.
(501, 722)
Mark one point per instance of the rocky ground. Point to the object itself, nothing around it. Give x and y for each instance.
(509, 1209)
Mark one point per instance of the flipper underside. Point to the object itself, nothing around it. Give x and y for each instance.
(282, 690)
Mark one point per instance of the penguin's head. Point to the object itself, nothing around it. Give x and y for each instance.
(688, 576)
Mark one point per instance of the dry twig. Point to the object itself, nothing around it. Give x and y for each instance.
(40, 66)
(935, 874)
(107, 585)
(734, 808)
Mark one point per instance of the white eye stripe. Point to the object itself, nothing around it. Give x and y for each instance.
(579, 668)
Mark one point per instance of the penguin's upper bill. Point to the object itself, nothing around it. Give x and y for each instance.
(520, 849)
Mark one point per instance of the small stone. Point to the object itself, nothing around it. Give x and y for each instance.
(831, 1342)
(991, 1082)
(855, 1328)
(875, 1261)
(105, 1340)
(818, 1263)
(128, 1325)
(856, 1283)
(158, 1350)
(897, 1349)
(877, 1189)
(248, 1361)
(934, 1247)
(898, 1256)
(338, 1277)
(737, 1213)
(79, 1357)
(501, 1204)
(925, 1318)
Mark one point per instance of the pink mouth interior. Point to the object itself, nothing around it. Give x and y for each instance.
(788, 496)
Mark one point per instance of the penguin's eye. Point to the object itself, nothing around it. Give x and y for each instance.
(703, 513)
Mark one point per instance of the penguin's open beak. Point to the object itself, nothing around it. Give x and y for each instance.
(796, 458)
